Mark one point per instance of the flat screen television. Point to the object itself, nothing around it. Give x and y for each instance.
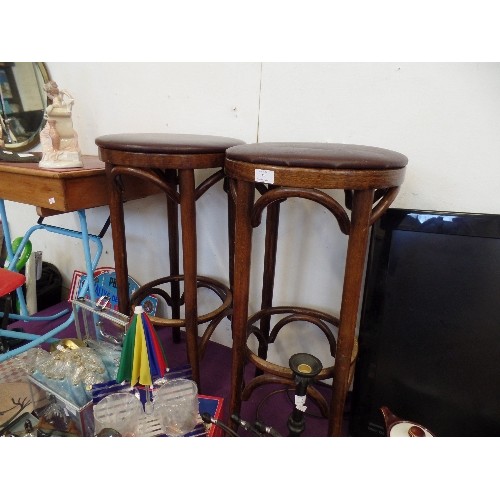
(429, 336)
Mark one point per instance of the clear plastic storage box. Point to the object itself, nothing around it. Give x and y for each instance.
(96, 321)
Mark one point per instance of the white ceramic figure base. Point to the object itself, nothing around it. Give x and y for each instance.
(61, 159)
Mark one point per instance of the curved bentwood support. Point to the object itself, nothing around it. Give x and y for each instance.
(90, 266)
(266, 371)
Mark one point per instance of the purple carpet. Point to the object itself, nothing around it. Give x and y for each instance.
(270, 404)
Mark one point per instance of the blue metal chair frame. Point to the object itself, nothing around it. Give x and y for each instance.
(90, 266)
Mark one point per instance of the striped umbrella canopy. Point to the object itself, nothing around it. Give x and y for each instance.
(142, 359)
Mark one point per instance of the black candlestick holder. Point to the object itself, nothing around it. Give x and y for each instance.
(305, 367)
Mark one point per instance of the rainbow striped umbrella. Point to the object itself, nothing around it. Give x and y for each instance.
(142, 359)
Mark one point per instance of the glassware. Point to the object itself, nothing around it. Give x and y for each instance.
(120, 411)
(176, 406)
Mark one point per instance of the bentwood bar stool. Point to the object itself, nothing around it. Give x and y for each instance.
(169, 161)
(370, 178)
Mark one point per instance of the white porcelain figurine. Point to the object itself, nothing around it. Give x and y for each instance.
(58, 138)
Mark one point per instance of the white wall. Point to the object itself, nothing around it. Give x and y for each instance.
(444, 116)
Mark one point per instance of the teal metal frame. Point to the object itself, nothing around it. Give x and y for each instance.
(90, 267)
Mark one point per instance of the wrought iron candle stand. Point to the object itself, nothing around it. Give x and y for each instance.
(305, 367)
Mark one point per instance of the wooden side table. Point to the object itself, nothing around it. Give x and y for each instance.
(54, 192)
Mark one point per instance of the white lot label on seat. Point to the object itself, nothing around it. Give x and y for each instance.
(266, 176)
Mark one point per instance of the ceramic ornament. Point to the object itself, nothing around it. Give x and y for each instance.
(58, 138)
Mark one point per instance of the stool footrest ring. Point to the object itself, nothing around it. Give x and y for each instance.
(295, 314)
(221, 290)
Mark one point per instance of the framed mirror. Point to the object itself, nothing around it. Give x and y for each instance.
(22, 104)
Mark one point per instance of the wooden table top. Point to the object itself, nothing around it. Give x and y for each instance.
(64, 190)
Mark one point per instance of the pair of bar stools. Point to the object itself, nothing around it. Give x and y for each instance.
(370, 178)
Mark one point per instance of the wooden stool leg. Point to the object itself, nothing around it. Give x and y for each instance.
(188, 224)
(117, 220)
(271, 245)
(173, 251)
(230, 230)
(353, 277)
(245, 193)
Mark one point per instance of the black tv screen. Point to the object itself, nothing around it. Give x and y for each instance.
(429, 336)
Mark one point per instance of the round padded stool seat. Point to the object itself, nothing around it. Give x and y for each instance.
(167, 143)
(318, 155)
(158, 149)
(169, 161)
(370, 178)
(325, 166)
